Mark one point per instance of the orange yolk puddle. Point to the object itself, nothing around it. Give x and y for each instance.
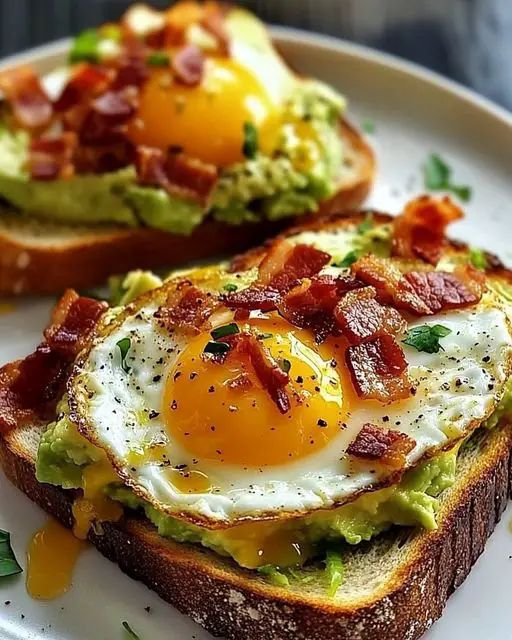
(52, 555)
(206, 121)
(214, 421)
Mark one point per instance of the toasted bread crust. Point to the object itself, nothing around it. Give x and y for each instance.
(34, 268)
(231, 602)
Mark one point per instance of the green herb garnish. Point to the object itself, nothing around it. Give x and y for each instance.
(335, 571)
(230, 287)
(437, 177)
(365, 225)
(478, 258)
(124, 346)
(264, 336)
(158, 59)
(111, 32)
(130, 632)
(226, 330)
(368, 126)
(8, 564)
(274, 575)
(216, 347)
(348, 260)
(285, 365)
(250, 146)
(85, 47)
(426, 337)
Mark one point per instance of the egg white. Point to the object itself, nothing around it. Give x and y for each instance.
(457, 389)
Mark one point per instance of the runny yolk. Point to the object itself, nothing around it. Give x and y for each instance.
(243, 426)
(52, 555)
(205, 121)
(95, 505)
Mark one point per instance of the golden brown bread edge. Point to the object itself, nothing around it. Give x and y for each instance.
(230, 602)
(27, 268)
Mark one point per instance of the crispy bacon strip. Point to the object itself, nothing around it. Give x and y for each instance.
(441, 291)
(268, 372)
(52, 158)
(176, 173)
(31, 107)
(286, 263)
(389, 284)
(108, 113)
(362, 318)
(379, 369)
(385, 446)
(252, 299)
(29, 388)
(187, 308)
(420, 231)
(87, 81)
(188, 65)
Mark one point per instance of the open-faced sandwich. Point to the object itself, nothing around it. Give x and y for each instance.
(169, 136)
(311, 442)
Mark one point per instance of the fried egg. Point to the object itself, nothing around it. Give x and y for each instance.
(188, 441)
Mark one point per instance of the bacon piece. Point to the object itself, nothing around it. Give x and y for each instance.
(176, 173)
(252, 299)
(379, 369)
(385, 446)
(31, 107)
(268, 372)
(187, 308)
(362, 318)
(391, 286)
(311, 304)
(420, 230)
(213, 21)
(242, 381)
(441, 291)
(108, 112)
(52, 158)
(87, 80)
(188, 65)
(29, 388)
(132, 71)
(286, 263)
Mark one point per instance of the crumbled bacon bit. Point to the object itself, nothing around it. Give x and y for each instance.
(385, 446)
(187, 308)
(252, 299)
(362, 318)
(87, 80)
(176, 173)
(188, 65)
(132, 71)
(379, 369)
(31, 107)
(29, 388)
(242, 381)
(52, 158)
(108, 112)
(268, 372)
(420, 230)
(441, 291)
(389, 283)
(285, 264)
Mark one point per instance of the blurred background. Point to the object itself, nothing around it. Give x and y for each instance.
(467, 40)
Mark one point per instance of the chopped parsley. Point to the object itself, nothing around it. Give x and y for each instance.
(347, 261)
(130, 633)
(85, 47)
(230, 287)
(8, 564)
(226, 330)
(124, 346)
(285, 365)
(365, 225)
(437, 177)
(368, 126)
(250, 146)
(426, 337)
(478, 258)
(274, 575)
(216, 348)
(335, 571)
(158, 59)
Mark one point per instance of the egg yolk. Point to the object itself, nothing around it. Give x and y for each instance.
(214, 420)
(205, 121)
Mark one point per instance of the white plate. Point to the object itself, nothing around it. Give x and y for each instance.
(415, 113)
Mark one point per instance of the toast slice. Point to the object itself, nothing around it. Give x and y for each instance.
(42, 258)
(394, 587)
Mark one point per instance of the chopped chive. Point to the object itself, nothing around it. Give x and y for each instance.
(230, 287)
(478, 258)
(124, 346)
(216, 347)
(264, 336)
(225, 330)
(365, 225)
(130, 632)
(85, 47)
(250, 145)
(158, 59)
(347, 261)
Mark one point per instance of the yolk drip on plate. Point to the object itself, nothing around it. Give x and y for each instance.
(214, 421)
(205, 121)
